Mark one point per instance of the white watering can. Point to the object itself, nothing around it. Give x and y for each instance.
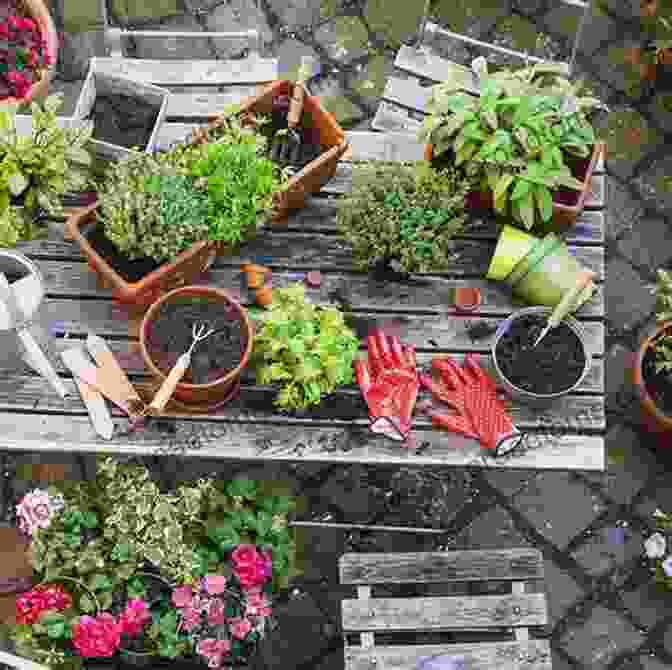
(29, 290)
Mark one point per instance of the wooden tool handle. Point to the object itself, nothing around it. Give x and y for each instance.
(565, 305)
(170, 382)
(296, 105)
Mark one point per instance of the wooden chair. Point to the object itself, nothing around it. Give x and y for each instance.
(464, 615)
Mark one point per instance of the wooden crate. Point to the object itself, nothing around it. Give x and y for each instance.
(461, 615)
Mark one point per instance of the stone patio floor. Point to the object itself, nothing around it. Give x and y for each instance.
(605, 613)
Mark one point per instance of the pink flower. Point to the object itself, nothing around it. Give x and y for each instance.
(37, 507)
(134, 617)
(26, 24)
(30, 605)
(191, 617)
(257, 604)
(216, 613)
(240, 628)
(215, 584)
(210, 646)
(182, 595)
(96, 637)
(251, 567)
(244, 555)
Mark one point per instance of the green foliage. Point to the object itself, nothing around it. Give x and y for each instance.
(395, 211)
(240, 187)
(307, 348)
(663, 344)
(38, 168)
(514, 136)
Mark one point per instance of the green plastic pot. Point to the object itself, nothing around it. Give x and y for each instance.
(540, 271)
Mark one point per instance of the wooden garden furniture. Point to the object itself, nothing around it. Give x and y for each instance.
(498, 602)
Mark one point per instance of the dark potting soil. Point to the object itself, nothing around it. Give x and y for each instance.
(170, 336)
(658, 384)
(123, 120)
(554, 365)
(130, 270)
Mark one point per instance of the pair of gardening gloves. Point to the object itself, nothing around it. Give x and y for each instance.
(390, 383)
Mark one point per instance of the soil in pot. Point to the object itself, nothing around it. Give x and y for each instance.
(123, 120)
(553, 366)
(131, 270)
(658, 384)
(169, 336)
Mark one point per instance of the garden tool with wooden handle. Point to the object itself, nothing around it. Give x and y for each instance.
(199, 333)
(287, 148)
(566, 305)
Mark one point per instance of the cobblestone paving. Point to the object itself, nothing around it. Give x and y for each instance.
(605, 612)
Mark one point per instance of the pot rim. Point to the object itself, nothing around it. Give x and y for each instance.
(638, 377)
(221, 295)
(539, 310)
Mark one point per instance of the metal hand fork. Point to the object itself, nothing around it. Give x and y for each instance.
(199, 332)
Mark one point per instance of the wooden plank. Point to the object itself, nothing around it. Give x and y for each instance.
(128, 354)
(75, 279)
(28, 392)
(432, 332)
(444, 613)
(431, 567)
(201, 104)
(313, 442)
(312, 251)
(532, 655)
(192, 72)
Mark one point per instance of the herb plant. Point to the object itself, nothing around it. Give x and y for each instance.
(514, 136)
(308, 349)
(403, 212)
(37, 169)
(663, 343)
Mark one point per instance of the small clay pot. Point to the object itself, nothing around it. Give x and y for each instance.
(466, 299)
(314, 279)
(264, 295)
(653, 418)
(255, 275)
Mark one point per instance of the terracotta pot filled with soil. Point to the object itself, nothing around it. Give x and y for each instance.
(654, 388)
(555, 367)
(140, 281)
(567, 203)
(322, 139)
(216, 363)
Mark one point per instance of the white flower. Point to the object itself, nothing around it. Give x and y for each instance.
(655, 546)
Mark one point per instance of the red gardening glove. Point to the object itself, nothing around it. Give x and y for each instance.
(389, 383)
(472, 393)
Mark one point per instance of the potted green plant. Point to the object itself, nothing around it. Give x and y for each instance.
(124, 572)
(407, 213)
(161, 218)
(307, 348)
(526, 138)
(652, 367)
(37, 168)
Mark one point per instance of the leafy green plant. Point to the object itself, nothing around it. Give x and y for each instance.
(307, 348)
(240, 186)
(37, 169)
(404, 212)
(513, 136)
(663, 343)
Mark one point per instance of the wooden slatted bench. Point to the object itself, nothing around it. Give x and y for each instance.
(462, 615)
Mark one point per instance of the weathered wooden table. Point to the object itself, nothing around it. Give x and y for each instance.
(567, 436)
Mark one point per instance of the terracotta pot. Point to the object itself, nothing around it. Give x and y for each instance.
(255, 275)
(319, 171)
(190, 263)
(652, 417)
(38, 11)
(264, 295)
(563, 213)
(220, 389)
(15, 572)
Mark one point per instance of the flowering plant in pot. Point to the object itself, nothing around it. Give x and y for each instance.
(123, 570)
(652, 368)
(161, 218)
(526, 138)
(404, 213)
(658, 549)
(28, 46)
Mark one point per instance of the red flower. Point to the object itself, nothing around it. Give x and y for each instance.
(30, 605)
(96, 637)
